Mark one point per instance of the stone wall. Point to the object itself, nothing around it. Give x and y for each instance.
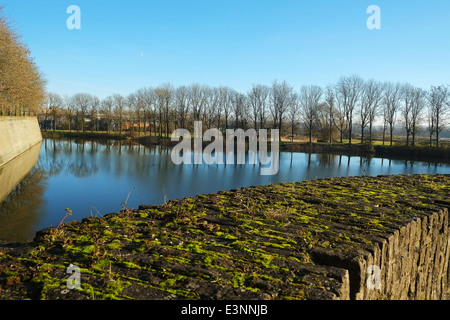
(17, 134)
(413, 262)
(312, 240)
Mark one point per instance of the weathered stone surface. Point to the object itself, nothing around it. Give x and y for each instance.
(309, 240)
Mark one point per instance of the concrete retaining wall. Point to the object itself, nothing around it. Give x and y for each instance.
(17, 134)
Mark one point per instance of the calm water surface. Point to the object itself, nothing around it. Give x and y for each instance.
(96, 178)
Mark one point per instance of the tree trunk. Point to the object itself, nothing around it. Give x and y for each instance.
(437, 130)
(391, 130)
(407, 138)
(331, 129)
(310, 131)
(362, 134)
(350, 133)
(292, 131)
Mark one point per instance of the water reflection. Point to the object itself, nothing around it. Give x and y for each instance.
(22, 186)
(12, 173)
(95, 178)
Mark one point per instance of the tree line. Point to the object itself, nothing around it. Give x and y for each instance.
(327, 114)
(22, 87)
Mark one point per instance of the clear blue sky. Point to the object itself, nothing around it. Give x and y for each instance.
(126, 45)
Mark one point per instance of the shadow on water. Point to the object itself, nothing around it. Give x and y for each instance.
(94, 178)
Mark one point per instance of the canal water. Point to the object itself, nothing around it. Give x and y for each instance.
(94, 178)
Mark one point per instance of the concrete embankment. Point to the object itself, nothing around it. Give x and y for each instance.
(381, 237)
(17, 135)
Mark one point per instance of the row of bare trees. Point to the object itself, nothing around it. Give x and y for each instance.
(22, 88)
(331, 113)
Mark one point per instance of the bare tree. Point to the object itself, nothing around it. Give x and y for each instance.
(107, 110)
(212, 107)
(309, 102)
(168, 103)
(258, 100)
(54, 103)
(217, 93)
(197, 100)
(377, 90)
(120, 104)
(181, 105)
(205, 111)
(82, 103)
(340, 118)
(324, 129)
(164, 95)
(279, 94)
(135, 110)
(417, 106)
(330, 101)
(93, 113)
(438, 101)
(349, 89)
(69, 111)
(293, 112)
(148, 98)
(385, 123)
(239, 106)
(407, 94)
(371, 96)
(392, 96)
(225, 102)
(141, 109)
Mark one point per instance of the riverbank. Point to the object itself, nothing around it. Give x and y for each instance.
(441, 154)
(419, 153)
(312, 240)
(85, 135)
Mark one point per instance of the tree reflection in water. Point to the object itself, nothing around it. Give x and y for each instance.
(23, 208)
(95, 178)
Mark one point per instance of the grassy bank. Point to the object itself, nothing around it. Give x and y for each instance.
(378, 150)
(423, 152)
(59, 134)
(267, 242)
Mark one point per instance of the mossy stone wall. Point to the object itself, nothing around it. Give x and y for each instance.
(312, 240)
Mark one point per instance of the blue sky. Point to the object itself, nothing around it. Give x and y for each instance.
(126, 45)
